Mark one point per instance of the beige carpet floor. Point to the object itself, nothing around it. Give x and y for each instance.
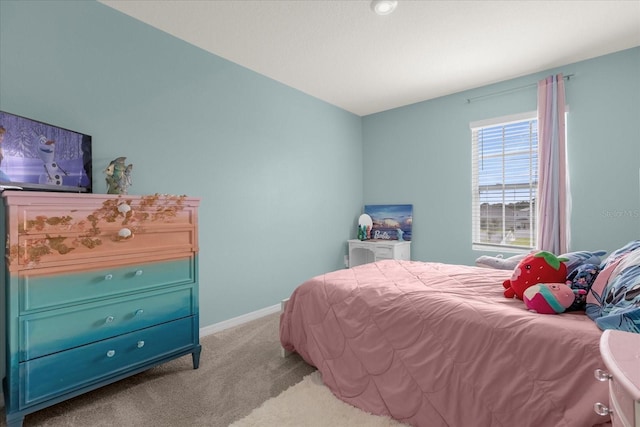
(240, 368)
(311, 404)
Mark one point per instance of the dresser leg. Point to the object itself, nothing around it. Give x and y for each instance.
(15, 421)
(196, 357)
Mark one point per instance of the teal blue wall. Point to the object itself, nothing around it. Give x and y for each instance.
(283, 176)
(279, 172)
(421, 154)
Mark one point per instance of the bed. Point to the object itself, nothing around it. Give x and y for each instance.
(434, 344)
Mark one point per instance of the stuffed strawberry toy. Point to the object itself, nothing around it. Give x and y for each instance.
(538, 267)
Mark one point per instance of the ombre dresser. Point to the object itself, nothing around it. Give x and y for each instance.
(95, 288)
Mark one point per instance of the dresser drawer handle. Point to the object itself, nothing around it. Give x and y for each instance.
(111, 353)
(138, 312)
(602, 375)
(124, 234)
(139, 273)
(109, 319)
(140, 344)
(601, 409)
(124, 208)
(108, 277)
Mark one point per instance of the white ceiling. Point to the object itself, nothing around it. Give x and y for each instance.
(344, 54)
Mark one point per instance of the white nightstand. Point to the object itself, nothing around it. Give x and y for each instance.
(363, 252)
(621, 355)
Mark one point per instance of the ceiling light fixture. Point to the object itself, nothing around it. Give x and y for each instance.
(383, 7)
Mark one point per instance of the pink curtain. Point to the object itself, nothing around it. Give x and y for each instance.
(553, 190)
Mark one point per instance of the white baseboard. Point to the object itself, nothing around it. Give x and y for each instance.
(237, 321)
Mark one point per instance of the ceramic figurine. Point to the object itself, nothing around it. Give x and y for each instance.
(118, 176)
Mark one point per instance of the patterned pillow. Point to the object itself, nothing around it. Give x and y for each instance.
(576, 259)
(580, 281)
(619, 253)
(614, 299)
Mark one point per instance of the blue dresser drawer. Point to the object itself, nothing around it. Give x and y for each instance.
(56, 330)
(40, 289)
(47, 377)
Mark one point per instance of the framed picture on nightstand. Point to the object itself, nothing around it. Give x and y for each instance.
(390, 222)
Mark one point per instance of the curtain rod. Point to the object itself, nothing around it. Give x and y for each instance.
(514, 89)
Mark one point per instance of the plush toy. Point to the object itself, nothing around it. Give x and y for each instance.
(552, 298)
(538, 267)
(499, 262)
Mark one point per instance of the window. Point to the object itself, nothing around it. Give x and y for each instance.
(505, 182)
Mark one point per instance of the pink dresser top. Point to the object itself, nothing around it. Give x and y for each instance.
(621, 354)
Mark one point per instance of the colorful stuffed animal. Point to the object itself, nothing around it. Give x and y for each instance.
(550, 298)
(538, 267)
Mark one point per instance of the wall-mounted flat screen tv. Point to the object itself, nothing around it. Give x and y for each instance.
(39, 156)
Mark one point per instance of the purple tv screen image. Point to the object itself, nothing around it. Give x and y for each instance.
(38, 156)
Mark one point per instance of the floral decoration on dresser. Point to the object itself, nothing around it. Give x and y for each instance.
(151, 208)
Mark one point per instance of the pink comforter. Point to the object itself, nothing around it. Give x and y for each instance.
(438, 345)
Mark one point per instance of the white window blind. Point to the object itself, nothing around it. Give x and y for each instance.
(505, 182)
